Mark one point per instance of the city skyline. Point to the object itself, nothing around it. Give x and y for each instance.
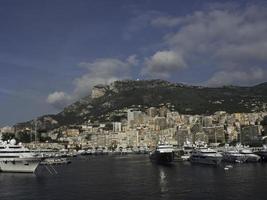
(53, 52)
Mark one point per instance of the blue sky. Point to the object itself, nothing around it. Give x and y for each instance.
(52, 52)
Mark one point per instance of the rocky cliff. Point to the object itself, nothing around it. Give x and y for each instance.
(108, 102)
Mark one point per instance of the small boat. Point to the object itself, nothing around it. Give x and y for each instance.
(164, 153)
(187, 150)
(185, 157)
(55, 161)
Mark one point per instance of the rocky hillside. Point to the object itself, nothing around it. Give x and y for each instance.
(108, 102)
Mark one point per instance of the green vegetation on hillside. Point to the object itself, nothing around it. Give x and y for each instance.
(184, 99)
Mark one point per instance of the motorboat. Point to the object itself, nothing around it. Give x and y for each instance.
(55, 161)
(205, 156)
(262, 153)
(234, 156)
(187, 150)
(250, 156)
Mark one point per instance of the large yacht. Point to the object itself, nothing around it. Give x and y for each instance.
(164, 153)
(16, 158)
(205, 155)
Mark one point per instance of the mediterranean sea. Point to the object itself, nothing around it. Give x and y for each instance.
(134, 177)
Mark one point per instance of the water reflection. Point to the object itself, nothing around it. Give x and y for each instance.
(14, 184)
(16, 175)
(163, 181)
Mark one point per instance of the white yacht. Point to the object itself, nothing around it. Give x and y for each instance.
(16, 158)
(187, 149)
(262, 153)
(234, 156)
(164, 153)
(250, 156)
(205, 156)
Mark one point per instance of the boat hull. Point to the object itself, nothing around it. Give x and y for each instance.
(205, 160)
(234, 158)
(252, 158)
(20, 165)
(263, 155)
(162, 157)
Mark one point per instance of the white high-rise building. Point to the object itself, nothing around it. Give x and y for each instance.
(133, 116)
(117, 126)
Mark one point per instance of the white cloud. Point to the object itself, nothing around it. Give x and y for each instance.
(101, 71)
(221, 31)
(226, 38)
(229, 39)
(133, 60)
(162, 64)
(58, 99)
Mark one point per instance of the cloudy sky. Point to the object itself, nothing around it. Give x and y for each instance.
(53, 51)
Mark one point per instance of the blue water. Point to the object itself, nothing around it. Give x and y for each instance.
(135, 177)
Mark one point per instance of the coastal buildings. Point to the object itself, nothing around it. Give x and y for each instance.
(250, 133)
(145, 128)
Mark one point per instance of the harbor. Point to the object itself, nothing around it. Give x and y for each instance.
(166, 172)
(133, 100)
(15, 157)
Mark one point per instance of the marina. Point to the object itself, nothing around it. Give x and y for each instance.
(17, 158)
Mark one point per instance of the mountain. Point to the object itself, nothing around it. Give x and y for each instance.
(109, 102)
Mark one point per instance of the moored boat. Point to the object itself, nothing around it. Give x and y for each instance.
(55, 161)
(16, 158)
(262, 153)
(250, 156)
(233, 156)
(164, 153)
(187, 150)
(205, 156)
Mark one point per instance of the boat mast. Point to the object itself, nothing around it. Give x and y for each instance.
(35, 131)
(240, 137)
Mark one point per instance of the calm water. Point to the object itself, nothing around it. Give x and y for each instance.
(135, 177)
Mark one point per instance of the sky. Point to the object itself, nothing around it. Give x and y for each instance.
(52, 52)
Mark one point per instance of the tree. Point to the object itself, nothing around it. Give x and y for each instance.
(8, 136)
(24, 137)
